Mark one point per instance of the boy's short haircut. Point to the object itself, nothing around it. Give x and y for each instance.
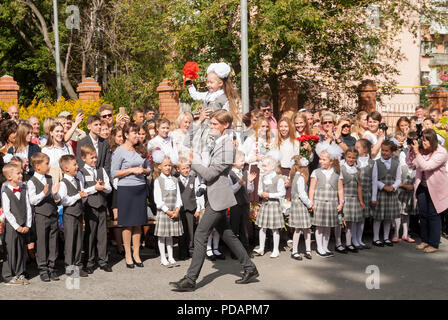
(147, 109)
(445, 109)
(87, 149)
(16, 159)
(9, 168)
(65, 160)
(183, 160)
(38, 158)
(91, 119)
(137, 110)
(434, 110)
(429, 119)
(104, 107)
(399, 134)
(162, 121)
(389, 143)
(104, 123)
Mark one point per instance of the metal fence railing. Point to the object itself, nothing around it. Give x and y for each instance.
(391, 112)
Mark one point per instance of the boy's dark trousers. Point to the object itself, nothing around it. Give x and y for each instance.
(239, 218)
(95, 237)
(186, 240)
(14, 243)
(73, 239)
(47, 241)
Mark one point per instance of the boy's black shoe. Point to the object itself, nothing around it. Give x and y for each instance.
(183, 285)
(44, 277)
(106, 268)
(83, 273)
(54, 276)
(89, 270)
(248, 276)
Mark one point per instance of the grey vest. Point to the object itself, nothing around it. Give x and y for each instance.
(17, 207)
(187, 193)
(271, 188)
(98, 199)
(242, 197)
(326, 190)
(295, 188)
(76, 209)
(407, 176)
(168, 196)
(47, 207)
(350, 182)
(384, 174)
(216, 105)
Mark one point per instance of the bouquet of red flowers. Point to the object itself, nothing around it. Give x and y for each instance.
(190, 71)
(312, 140)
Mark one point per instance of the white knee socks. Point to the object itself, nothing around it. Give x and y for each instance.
(307, 234)
(337, 235)
(262, 236)
(376, 230)
(295, 240)
(386, 227)
(354, 230)
(397, 227)
(405, 223)
(169, 249)
(319, 237)
(348, 234)
(161, 244)
(359, 232)
(216, 242)
(276, 236)
(326, 238)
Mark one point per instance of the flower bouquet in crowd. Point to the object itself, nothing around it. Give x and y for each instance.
(2, 220)
(312, 140)
(190, 71)
(254, 210)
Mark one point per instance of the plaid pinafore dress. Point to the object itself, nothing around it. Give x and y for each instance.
(387, 207)
(406, 197)
(352, 208)
(299, 216)
(270, 215)
(326, 200)
(366, 185)
(166, 226)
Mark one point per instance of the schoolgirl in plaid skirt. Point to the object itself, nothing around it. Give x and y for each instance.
(353, 202)
(327, 195)
(168, 201)
(300, 217)
(365, 166)
(271, 191)
(386, 179)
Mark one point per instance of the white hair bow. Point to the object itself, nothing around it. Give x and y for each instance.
(221, 69)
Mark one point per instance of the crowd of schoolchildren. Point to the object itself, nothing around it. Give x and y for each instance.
(312, 172)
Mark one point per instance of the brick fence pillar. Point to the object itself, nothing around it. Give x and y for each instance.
(168, 100)
(288, 96)
(88, 90)
(9, 90)
(367, 96)
(438, 98)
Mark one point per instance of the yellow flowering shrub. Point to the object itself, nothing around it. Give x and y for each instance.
(44, 110)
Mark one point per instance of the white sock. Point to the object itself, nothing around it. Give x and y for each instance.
(262, 236)
(376, 230)
(405, 222)
(319, 236)
(169, 248)
(161, 243)
(360, 232)
(209, 245)
(216, 242)
(276, 237)
(295, 240)
(386, 227)
(307, 234)
(326, 238)
(337, 235)
(397, 227)
(354, 229)
(348, 234)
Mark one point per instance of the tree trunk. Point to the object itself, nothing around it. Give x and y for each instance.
(273, 85)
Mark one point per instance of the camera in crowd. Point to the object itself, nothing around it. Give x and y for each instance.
(415, 136)
(383, 127)
(5, 115)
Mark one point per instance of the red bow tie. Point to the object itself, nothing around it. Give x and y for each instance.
(16, 190)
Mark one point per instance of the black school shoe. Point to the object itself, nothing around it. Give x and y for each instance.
(388, 243)
(183, 285)
(308, 255)
(44, 277)
(53, 276)
(341, 249)
(378, 243)
(352, 249)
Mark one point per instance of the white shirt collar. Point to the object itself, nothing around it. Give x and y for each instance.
(221, 138)
(39, 176)
(213, 95)
(363, 161)
(386, 161)
(11, 187)
(93, 140)
(69, 177)
(89, 167)
(350, 169)
(270, 175)
(328, 170)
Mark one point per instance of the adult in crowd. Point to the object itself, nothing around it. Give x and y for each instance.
(403, 125)
(35, 134)
(14, 113)
(265, 107)
(343, 135)
(129, 166)
(178, 135)
(249, 120)
(361, 125)
(150, 113)
(101, 145)
(48, 122)
(301, 124)
(163, 141)
(55, 149)
(219, 198)
(106, 113)
(328, 123)
(8, 132)
(138, 115)
(23, 147)
(374, 134)
(439, 128)
(420, 112)
(431, 194)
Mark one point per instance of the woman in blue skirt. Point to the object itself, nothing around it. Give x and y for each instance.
(130, 165)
